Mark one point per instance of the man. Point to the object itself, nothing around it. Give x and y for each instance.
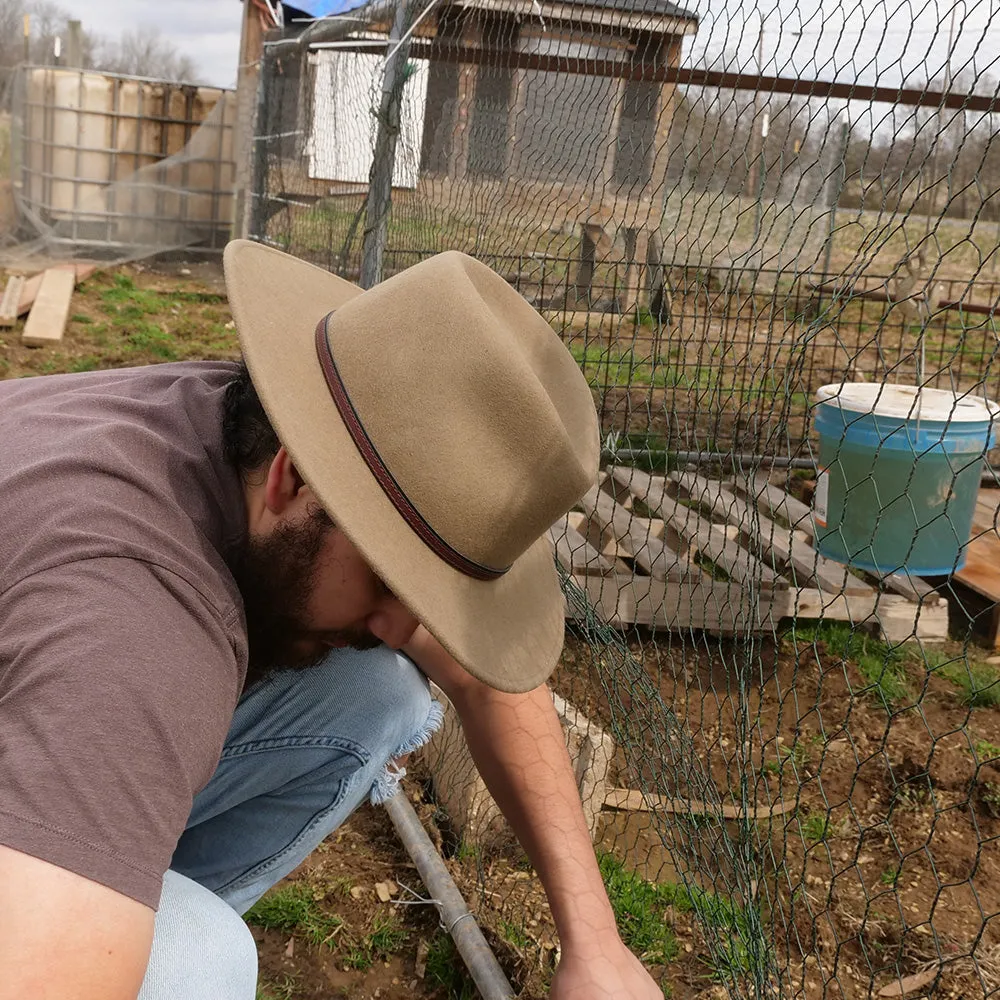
(178, 539)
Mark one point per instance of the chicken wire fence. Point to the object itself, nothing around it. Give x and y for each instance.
(776, 687)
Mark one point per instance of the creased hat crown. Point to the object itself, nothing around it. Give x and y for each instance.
(469, 398)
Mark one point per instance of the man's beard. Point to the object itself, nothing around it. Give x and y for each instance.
(277, 576)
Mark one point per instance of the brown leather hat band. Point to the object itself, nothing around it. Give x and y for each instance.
(382, 475)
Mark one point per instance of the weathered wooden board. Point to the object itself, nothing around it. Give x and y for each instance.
(636, 801)
(711, 540)
(897, 617)
(726, 608)
(720, 607)
(11, 300)
(47, 319)
(637, 537)
(575, 553)
(81, 270)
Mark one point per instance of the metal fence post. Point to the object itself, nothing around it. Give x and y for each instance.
(256, 212)
(380, 178)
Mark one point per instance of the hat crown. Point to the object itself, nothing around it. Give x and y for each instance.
(471, 402)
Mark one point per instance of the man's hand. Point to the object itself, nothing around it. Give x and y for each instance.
(606, 970)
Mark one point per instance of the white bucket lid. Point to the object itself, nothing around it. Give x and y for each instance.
(908, 402)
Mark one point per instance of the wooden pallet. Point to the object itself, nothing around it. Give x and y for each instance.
(686, 552)
(977, 584)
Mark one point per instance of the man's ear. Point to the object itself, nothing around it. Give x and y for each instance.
(283, 483)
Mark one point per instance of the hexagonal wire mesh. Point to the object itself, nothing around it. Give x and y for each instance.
(785, 743)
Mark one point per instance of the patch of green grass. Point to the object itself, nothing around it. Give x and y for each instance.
(294, 907)
(606, 366)
(125, 301)
(89, 363)
(986, 752)
(80, 318)
(979, 683)
(882, 666)
(153, 339)
(640, 911)
(384, 939)
(446, 970)
(889, 877)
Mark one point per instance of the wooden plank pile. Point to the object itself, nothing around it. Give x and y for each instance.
(685, 552)
(45, 298)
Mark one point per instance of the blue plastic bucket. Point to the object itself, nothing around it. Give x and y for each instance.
(899, 475)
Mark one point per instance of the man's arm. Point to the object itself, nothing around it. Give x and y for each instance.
(518, 746)
(64, 937)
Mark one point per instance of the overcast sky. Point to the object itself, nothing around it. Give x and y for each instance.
(208, 31)
(863, 40)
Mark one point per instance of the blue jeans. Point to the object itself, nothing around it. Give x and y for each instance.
(305, 749)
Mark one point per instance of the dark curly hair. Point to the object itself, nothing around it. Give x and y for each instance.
(248, 439)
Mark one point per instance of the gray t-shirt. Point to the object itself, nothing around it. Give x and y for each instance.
(122, 640)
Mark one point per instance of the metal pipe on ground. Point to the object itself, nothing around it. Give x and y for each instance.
(455, 914)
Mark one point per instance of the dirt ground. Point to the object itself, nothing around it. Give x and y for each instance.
(886, 860)
(884, 863)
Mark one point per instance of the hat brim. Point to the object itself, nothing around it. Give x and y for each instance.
(506, 632)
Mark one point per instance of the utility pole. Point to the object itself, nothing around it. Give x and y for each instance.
(247, 84)
(74, 44)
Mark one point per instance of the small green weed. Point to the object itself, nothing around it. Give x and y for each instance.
(978, 682)
(815, 827)
(514, 935)
(446, 970)
(466, 851)
(277, 989)
(293, 907)
(797, 755)
(80, 318)
(986, 752)
(384, 939)
(889, 877)
(990, 794)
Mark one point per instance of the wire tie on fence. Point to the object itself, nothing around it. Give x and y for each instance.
(417, 900)
(455, 922)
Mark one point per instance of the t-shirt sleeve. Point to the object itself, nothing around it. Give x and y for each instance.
(118, 682)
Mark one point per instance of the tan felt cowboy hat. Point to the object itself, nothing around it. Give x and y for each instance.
(444, 427)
